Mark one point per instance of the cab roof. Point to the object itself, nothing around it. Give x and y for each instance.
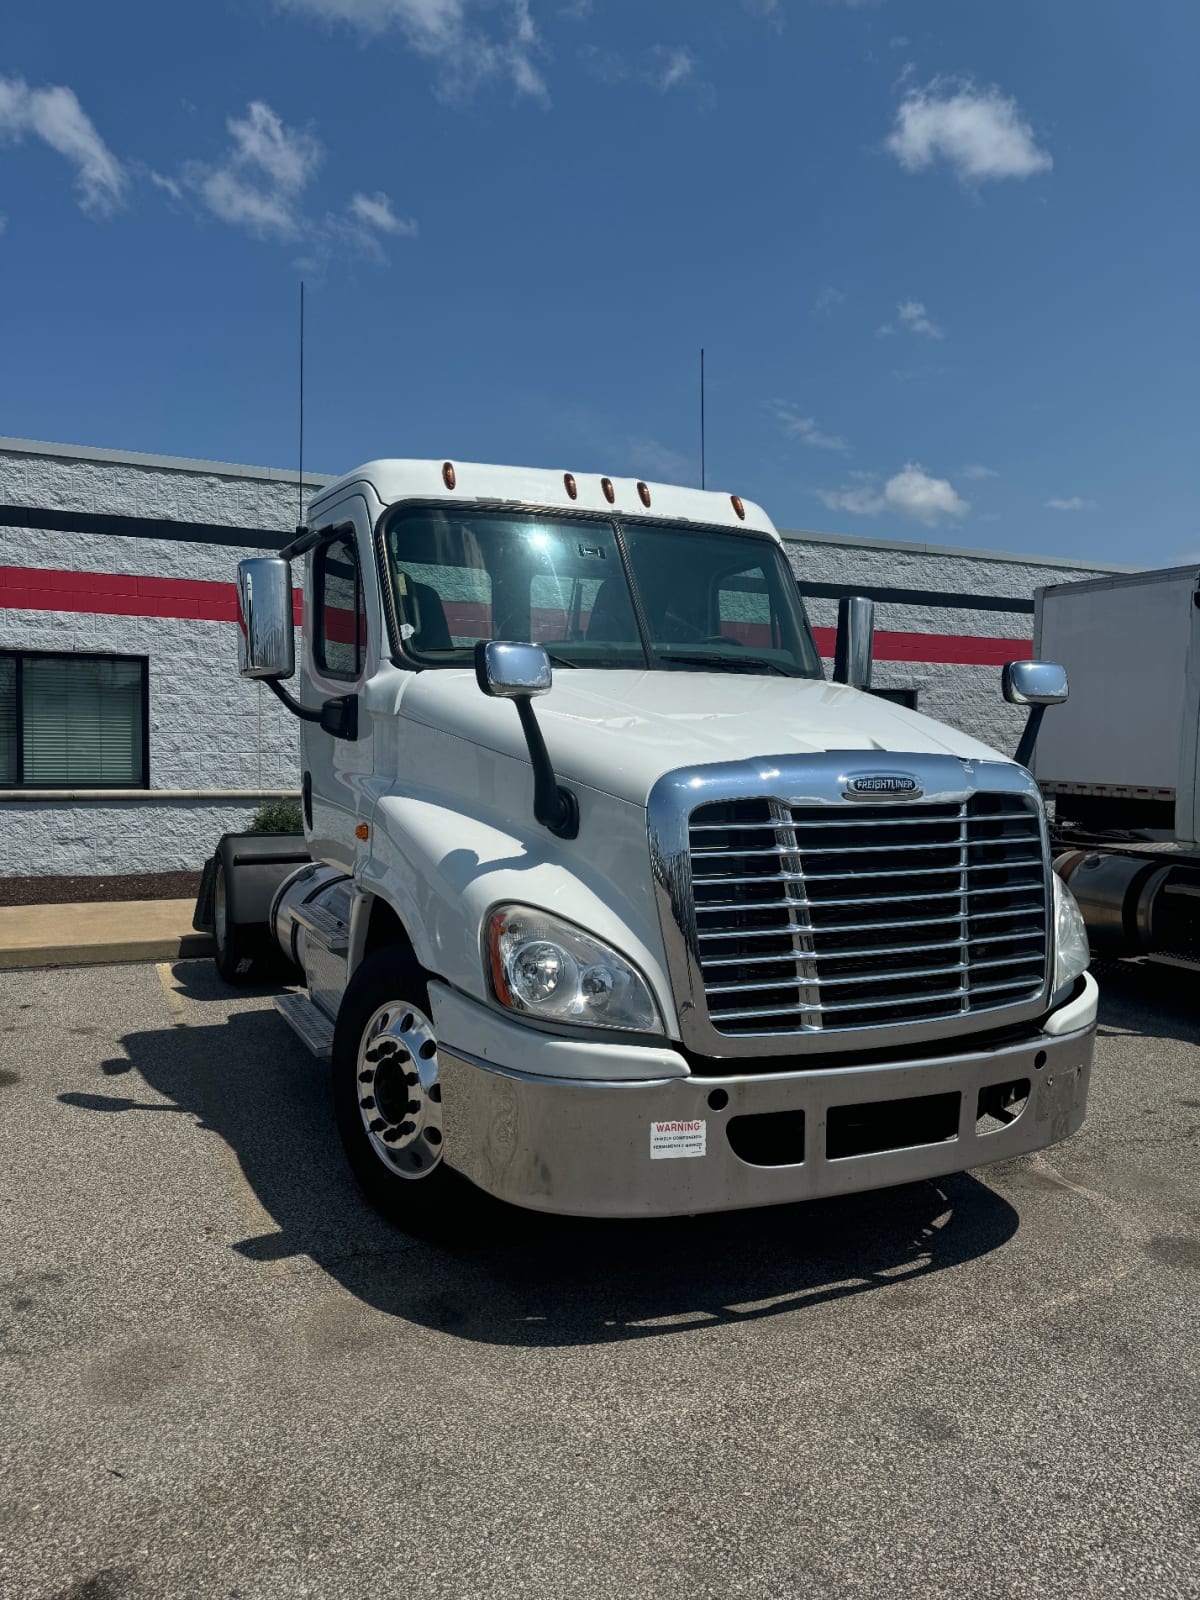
(467, 482)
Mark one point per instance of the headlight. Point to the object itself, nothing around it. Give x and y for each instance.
(547, 968)
(1071, 953)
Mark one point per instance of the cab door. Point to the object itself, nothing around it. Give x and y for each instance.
(342, 643)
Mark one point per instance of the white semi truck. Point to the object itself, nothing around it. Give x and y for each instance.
(1120, 763)
(704, 930)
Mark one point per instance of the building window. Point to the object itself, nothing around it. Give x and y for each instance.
(338, 602)
(898, 697)
(73, 722)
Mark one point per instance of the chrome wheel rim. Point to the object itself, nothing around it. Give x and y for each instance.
(399, 1095)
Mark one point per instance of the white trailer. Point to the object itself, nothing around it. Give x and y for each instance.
(1120, 759)
(705, 931)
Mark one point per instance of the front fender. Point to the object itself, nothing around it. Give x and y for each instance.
(442, 871)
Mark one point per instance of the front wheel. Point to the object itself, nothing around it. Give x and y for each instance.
(387, 1096)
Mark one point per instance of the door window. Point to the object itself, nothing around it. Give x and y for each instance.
(341, 623)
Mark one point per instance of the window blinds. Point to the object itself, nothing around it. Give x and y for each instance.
(81, 722)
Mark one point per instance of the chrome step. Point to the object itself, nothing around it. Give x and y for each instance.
(311, 1025)
(325, 929)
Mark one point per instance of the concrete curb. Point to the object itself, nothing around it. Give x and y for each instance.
(99, 934)
(118, 952)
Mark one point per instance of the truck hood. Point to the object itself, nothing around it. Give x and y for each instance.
(619, 732)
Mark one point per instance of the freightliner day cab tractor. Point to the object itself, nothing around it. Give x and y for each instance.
(702, 929)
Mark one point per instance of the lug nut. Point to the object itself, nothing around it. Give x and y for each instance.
(411, 1079)
(407, 1127)
(377, 1124)
(414, 1105)
(365, 1077)
(367, 1102)
(392, 1135)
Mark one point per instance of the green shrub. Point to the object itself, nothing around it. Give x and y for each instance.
(277, 816)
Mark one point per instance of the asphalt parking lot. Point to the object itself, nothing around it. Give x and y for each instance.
(221, 1375)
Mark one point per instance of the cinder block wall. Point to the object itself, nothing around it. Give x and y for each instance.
(146, 549)
(960, 691)
(208, 730)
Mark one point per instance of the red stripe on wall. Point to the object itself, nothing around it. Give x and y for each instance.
(952, 649)
(114, 594)
(111, 594)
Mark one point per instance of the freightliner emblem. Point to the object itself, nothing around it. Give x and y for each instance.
(893, 785)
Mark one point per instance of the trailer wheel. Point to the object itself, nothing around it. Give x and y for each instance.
(234, 950)
(387, 1096)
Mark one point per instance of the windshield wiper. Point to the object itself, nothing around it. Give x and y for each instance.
(730, 663)
(558, 661)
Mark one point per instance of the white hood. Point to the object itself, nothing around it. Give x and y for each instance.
(621, 731)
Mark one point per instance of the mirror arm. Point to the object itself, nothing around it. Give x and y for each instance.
(554, 807)
(1029, 736)
(292, 704)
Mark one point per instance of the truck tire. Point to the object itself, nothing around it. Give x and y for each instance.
(387, 1097)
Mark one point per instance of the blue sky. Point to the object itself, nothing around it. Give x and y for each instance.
(942, 254)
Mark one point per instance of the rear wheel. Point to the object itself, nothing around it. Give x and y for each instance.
(387, 1095)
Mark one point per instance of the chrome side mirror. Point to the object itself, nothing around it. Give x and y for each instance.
(1035, 683)
(855, 641)
(512, 671)
(517, 672)
(266, 641)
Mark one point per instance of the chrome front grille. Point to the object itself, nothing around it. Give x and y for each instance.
(822, 918)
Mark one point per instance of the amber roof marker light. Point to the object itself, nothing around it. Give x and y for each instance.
(735, 501)
(449, 476)
(570, 485)
(610, 494)
(644, 493)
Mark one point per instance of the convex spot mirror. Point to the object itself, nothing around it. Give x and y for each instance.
(512, 671)
(266, 641)
(1035, 683)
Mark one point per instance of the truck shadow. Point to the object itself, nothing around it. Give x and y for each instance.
(1158, 1002)
(516, 1277)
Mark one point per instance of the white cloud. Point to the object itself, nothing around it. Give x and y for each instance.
(979, 133)
(576, 10)
(447, 33)
(977, 473)
(375, 211)
(828, 298)
(915, 494)
(1071, 502)
(805, 429)
(662, 67)
(863, 502)
(168, 185)
(913, 317)
(55, 116)
(911, 493)
(660, 461)
(259, 184)
(676, 65)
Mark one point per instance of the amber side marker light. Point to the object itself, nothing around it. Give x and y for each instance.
(610, 494)
(362, 831)
(449, 477)
(569, 484)
(736, 502)
(644, 493)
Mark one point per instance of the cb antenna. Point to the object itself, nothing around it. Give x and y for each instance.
(702, 416)
(300, 527)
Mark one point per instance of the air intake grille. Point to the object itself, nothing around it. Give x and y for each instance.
(814, 918)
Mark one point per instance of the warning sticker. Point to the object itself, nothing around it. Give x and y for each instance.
(670, 1139)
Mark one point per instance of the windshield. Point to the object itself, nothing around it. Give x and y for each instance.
(705, 600)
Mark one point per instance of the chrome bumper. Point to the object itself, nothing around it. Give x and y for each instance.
(584, 1147)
